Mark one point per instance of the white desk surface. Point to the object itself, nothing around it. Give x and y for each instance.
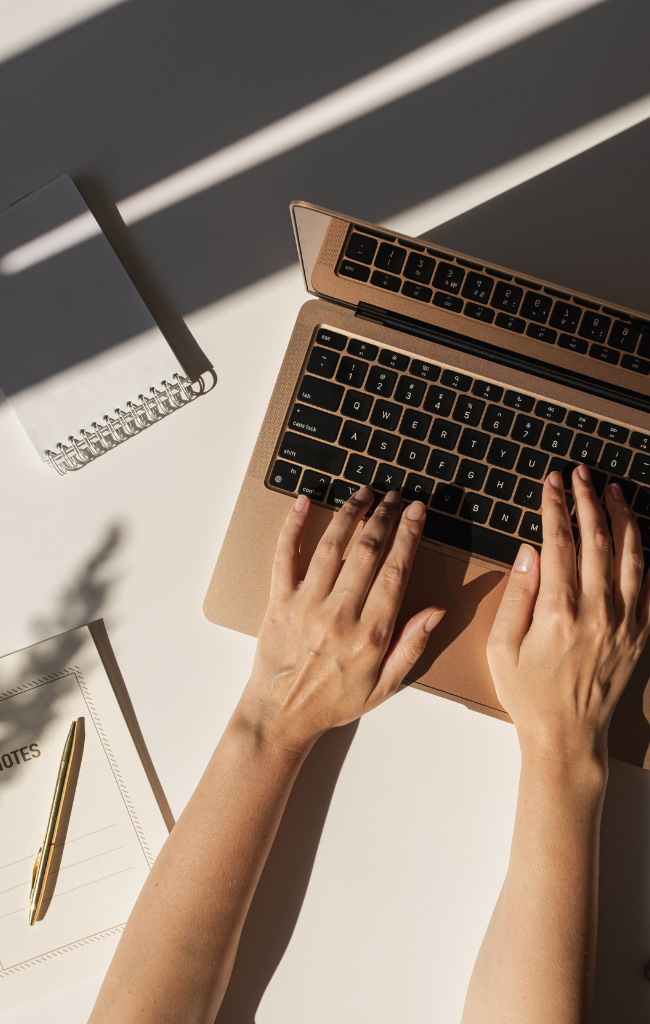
(416, 841)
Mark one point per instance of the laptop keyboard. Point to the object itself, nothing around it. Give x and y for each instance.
(475, 452)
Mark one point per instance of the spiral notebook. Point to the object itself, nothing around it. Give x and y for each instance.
(114, 821)
(83, 363)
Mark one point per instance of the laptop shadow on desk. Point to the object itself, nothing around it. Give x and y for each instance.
(281, 890)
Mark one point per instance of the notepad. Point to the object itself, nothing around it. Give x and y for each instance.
(115, 824)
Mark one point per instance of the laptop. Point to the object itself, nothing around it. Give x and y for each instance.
(461, 384)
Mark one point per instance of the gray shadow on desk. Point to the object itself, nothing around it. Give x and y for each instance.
(281, 890)
(622, 993)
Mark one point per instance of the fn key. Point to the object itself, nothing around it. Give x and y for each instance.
(285, 476)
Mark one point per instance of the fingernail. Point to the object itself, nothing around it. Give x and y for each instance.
(392, 498)
(524, 560)
(415, 511)
(584, 474)
(301, 501)
(616, 492)
(434, 619)
(556, 481)
(362, 495)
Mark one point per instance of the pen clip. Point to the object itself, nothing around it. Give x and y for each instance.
(35, 871)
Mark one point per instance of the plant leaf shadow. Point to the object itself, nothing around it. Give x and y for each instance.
(281, 890)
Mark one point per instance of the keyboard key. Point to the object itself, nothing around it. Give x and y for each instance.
(469, 536)
(413, 455)
(624, 336)
(354, 436)
(396, 360)
(388, 478)
(442, 464)
(536, 307)
(354, 270)
(500, 484)
(321, 393)
(387, 281)
(502, 453)
(459, 381)
(314, 454)
(360, 469)
(314, 485)
(417, 291)
(507, 296)
(473, 443)
(586, 449)
(644, 527)
(419, 268)
(482, 389)
(528, 494)
(554, 413)
(573, 344)
(340, 491)
(361, 248)
(285, 476)
(615, 459)
(580, 421)
(386, 414)
(527, 429)
(381, 381)
(468, 410)
(479, 312)
(519, 401)
(446, 498)
(605, 355)
(362, 349)
(612, 432)
(598, 480)
(476, 507)
(642, 503)
(415, 424)
(531, 528)
(565, 317)
(427, 371)
(541, 333)
(478, 287)
(410, 391)
(565, 469)
(627, 486)
(383, 445)
(322, 362)
(446, 301)
(640, 441)
(511, 323)
(497, 420)
(644, 345)
(556, 439)
(331, 339)
(640, 468)
(352, 371)
(444, 433)
(505, 517)
(439, 400)
(532, 463)
(594, 326)
(448, 277)
(470, 474)
(390, 257)
(635, 364)
(356, 404)
(314, 422)
(417, 488)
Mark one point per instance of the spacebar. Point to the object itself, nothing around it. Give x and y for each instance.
(470, 537)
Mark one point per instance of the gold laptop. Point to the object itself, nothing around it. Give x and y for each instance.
(461, 384)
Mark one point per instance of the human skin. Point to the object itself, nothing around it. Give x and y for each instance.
(561, 651)
(325, 657)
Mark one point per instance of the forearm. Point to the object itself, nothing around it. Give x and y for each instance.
(176, 954)
(536, 963)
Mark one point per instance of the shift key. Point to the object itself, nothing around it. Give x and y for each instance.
(312, 453)
(315, 422)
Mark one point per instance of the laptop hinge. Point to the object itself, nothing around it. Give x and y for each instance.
(366, 311)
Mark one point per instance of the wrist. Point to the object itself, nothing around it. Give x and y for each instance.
(583, 771)
(267, 729)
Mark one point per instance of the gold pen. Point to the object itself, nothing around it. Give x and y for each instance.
(44, 856)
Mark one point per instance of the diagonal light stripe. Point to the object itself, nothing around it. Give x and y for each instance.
(26, 23)
(462, 198)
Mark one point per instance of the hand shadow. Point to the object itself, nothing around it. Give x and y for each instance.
(281, 889)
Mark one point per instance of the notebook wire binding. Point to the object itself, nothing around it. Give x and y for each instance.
(116, 429)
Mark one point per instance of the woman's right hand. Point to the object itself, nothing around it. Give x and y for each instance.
(567, 636)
